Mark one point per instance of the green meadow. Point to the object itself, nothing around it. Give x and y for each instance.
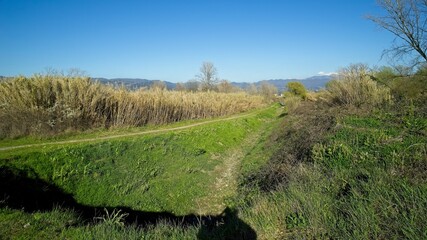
(181, 172)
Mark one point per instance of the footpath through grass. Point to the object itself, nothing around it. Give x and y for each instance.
(177, 173)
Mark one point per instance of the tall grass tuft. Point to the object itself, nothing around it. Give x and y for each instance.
(354, 87)
(46, 104)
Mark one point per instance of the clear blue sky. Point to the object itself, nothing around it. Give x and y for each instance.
(247, 40)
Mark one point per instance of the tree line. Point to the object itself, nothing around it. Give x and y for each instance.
(208, 80)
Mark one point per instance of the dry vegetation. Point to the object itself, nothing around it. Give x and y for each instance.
(43, 105)
(355, 87)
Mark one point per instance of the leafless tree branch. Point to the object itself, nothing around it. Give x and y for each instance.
(407, 21)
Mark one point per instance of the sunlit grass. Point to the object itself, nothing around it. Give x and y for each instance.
(172, 172)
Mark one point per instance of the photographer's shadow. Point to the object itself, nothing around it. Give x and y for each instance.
(228, 226)
(32, 194)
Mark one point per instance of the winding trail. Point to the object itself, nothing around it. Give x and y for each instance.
(127, 134)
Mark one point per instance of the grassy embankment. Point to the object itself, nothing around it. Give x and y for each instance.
(352, 164)
(187, 177)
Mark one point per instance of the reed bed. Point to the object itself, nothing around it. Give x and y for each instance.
(44, 105)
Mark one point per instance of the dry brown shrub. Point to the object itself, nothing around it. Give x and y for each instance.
(355, 87)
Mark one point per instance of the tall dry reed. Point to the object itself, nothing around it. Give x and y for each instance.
(355, 87)
(42, 105)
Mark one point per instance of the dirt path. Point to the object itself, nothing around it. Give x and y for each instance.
(126, 134)
(225, 185)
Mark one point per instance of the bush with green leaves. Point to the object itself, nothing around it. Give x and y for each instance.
(297, 88)
(403, 85)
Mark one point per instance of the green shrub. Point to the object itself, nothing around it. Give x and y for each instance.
(414, 87)
(297, 89)
(385, 74)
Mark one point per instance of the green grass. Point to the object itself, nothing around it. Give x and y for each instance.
(102, 132)
(378, 171)
(64, 224)
(365, 180)
(174, 172)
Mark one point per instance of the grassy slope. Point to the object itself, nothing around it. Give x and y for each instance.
(365, 180)
(378, 166)
(173, 171)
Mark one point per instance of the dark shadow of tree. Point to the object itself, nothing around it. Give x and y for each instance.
(31, 194)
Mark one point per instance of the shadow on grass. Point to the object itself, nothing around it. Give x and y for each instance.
(19, 191)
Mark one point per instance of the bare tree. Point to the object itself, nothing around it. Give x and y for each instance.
(268, 90)
(208, 76)
(252, 89)
(158, 85)
(76, 72)
(407, 20)
(192, 85)
(226, 87)
(180, 87)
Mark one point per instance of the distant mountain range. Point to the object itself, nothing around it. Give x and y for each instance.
(312, 83)
(133, 83)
